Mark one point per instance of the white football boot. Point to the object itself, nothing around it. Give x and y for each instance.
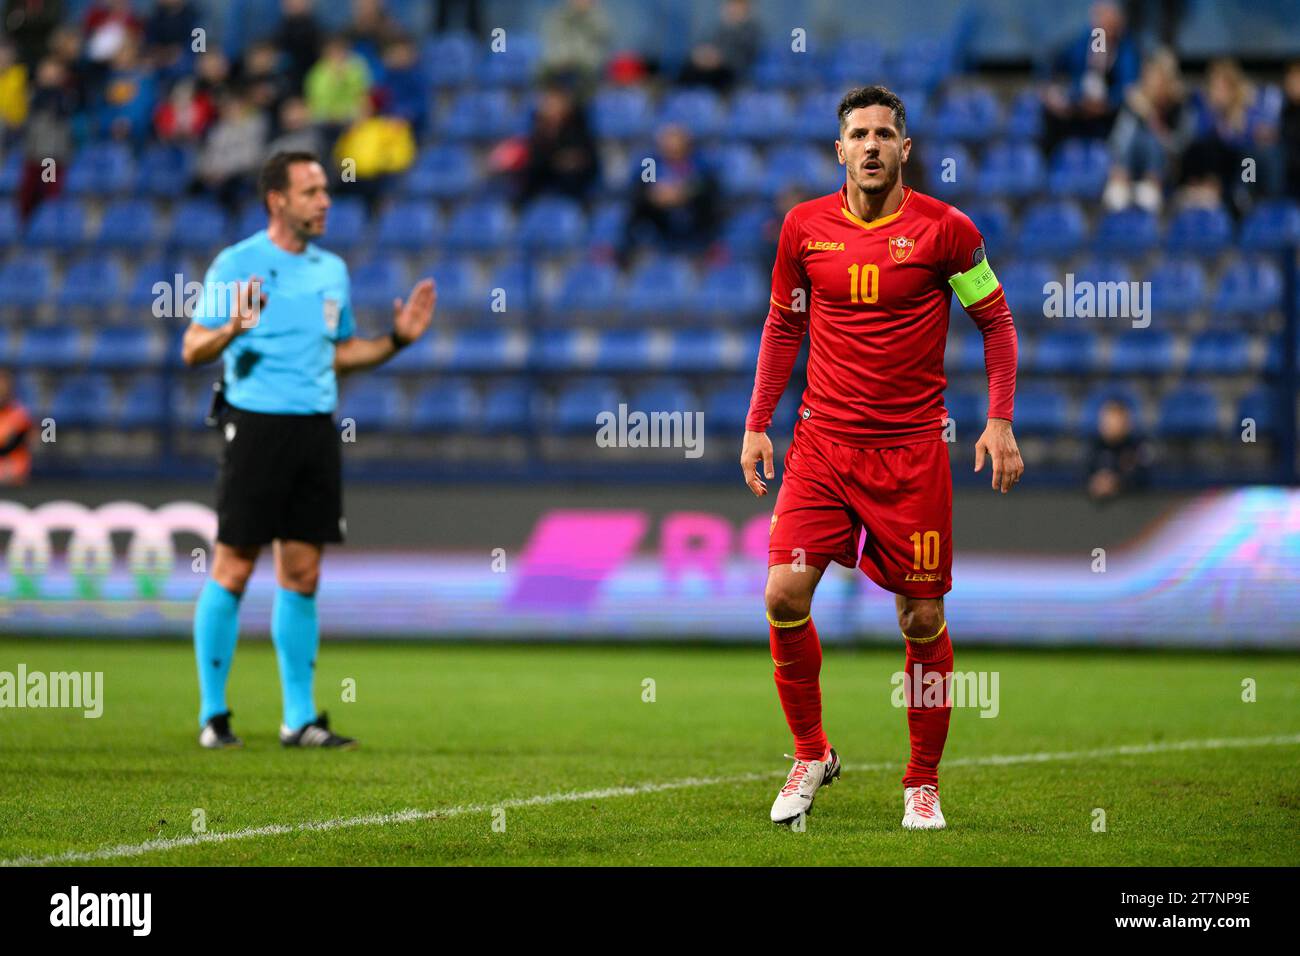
(921, 809)
(806, 776)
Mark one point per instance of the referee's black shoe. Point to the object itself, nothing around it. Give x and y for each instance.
(315, 734)
(216, 733)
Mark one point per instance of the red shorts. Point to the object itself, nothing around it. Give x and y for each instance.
(901, 496)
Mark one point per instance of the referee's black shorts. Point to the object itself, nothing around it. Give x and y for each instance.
(280, 477)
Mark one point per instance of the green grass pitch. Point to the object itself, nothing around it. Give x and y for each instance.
(468, 735)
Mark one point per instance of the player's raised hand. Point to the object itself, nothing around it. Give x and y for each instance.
(1000, 445)
(412, 318)
(757, 447)
(249, 302)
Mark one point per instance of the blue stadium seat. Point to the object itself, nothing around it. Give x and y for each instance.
(420, 356)
(1025, 118)
(968, 410)
(1054, 228)
(726, 408)
(762, 115)
(1041, 409)
(799, 166)
(1023, 281)
(1202, 231)
(83, 401)
(444, 171)
(1103, 269)
(1079, 169)
(586, 288)
(199, 225)
(923, 60)
(733, 290)
(139, 289)
(779, 67)
(664, 395)
(144, 405)
(479, 115)
(552, 224)
(94, 282)
(126, 349)
(377, 282)
(24, 281)
(968, 113)
(745, 231)
(410, 226)
(1188, 411)
(488, 350)
(575, 409)
(345, 227)
(449, 59)
(707, 350)
(516, 280)
(628, 350)
(375, 404)
(11, 228)
(698, 110)
(993, 220)
(131, 225)
(513, 66)
(745, 173)
(58, 223)
(1261, 404)
(507, 408)
(1142, 352)
(164, 171)
(1130, 231)
(480, 225)
(1065, 352)
(1249, 286)
(11, 171)
(59, 347)
(1273, 224)
(815, 116)
(449, 405)
(564, 349)
(459, 289)
(1011, 169)
(964, 353)
(622, 113)
(101, 169)
(1220, 353)
(1178, 285)
(950, 170)
(661, 287)
(608, 223)
(1273, 354)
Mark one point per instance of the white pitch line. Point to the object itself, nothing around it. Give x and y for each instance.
(570, 796)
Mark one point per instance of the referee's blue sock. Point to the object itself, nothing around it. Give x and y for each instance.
(216, 629)
(296, 634)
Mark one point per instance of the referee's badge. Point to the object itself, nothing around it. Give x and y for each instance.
(330, 310)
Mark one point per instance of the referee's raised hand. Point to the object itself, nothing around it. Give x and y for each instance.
(412, 317)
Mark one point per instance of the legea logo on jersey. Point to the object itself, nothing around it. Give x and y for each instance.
(823, 245)
(900, 247)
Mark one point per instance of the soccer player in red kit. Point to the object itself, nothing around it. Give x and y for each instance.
(868, 272)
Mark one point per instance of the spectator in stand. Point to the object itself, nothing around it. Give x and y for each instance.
(725, 57)
(337, 87)
(459, 15)
(1154, 127)
(1235, 121)
(185, 115)
(13, 93)
(677, 206)
(260, 73)
(169, 38)
(47, 136)
(404, 89)
(296, 134)
(575, 39)
(15, 430)
(1090, 75)
(107, 27)
(562, 153)
(1119, 460)
(230, 159)
(129, 96)
(300, 37)
(213, 72)
(30, 26)
(380, 147)
(371, 31)
(1290, 127)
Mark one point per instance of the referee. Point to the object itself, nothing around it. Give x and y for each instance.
(278, 310)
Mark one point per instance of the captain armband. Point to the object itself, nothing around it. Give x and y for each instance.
(974, 284)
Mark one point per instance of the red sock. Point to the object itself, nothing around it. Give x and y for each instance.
(797, 654)
(927, 725)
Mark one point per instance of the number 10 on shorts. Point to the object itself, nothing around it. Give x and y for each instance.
(925, 550)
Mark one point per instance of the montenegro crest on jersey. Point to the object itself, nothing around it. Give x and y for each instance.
(900, 247)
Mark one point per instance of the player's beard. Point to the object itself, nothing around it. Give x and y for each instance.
(306, 228)
(882, 185)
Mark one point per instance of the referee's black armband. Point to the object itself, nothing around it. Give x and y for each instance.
(399, 343)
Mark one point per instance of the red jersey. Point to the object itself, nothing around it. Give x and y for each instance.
(874, 298)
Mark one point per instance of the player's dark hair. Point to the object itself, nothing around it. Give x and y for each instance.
(275, 171)
(873, 96)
